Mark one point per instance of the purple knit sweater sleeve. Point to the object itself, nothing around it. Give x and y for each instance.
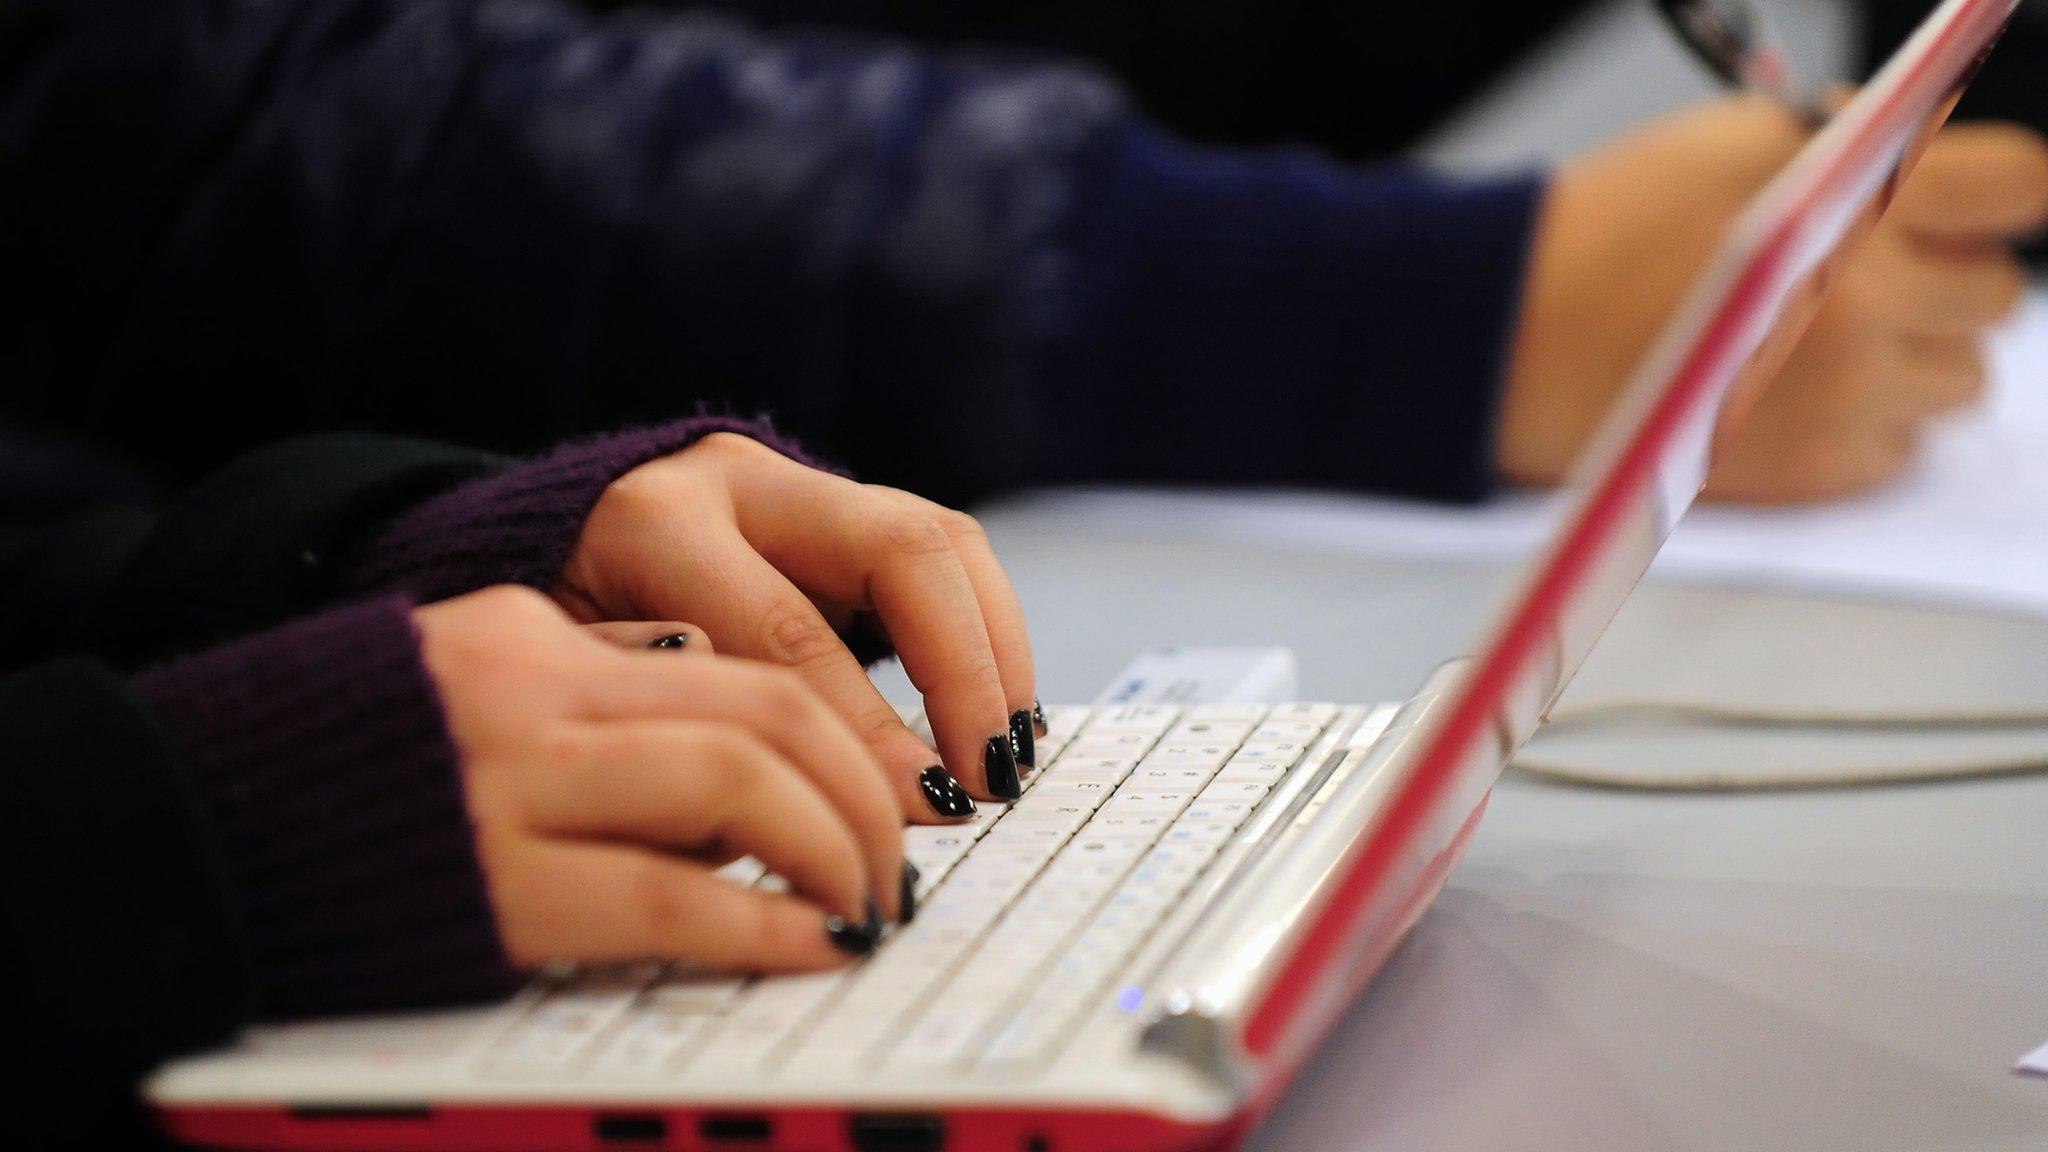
(519, 526)
(320, 752)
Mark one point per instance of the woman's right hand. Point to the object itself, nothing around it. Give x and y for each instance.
(607, 784)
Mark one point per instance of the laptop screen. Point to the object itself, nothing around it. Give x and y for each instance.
(1730, 337)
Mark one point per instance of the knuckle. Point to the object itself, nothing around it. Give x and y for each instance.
(514, 601)
(562, 750)
(741, 757)
(786, 702)
(663, 912)
(633, 496)
(793, 633)
(911, 533)
(732, 446)
(961, 526)
(873, 727)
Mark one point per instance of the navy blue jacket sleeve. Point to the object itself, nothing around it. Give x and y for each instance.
(510, 221)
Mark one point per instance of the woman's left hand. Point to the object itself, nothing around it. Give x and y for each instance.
(777, 561)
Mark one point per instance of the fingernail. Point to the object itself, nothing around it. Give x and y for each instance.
(944, 793)
(1022, 743)
(672, 640)
(1038, 724)
(855, 939)
(999, 761)
(907, 909)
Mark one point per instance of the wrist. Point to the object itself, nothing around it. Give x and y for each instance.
(319, 752)
(1265, 316)
(521, 525)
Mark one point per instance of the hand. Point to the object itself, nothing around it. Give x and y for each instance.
(775, 560)
(1898, 342)
(605, 786)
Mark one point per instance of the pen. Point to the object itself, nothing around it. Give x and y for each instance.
(1734, 42)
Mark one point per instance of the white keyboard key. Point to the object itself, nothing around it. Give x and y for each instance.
(1299, 731)
(1094, 769)
(567, 1019)
(1152, 718)
(1027, 837)
(1288, 752)
(1112, 744)
(1146, 828)
(1090, 792)
(1265, 771)
(936, 850)
(1063, 814)
(1147, 803)
(1169, 777)
(1310, 712)
(1082, 867)
(986, 813)
(1197, 834)
(1088, 846)
(647, 1044)
(941, 1037)
(1062, 721)
(971, 892)
(766, 1017)
(694, 995)
(1245, 712)
(1250, 791)
(1207, 732)
(1227, 813)
(1205, 755)
(743, 871)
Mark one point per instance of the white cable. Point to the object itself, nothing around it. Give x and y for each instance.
(1817, 777)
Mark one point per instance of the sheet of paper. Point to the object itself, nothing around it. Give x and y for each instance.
(2035, 1061)
(1969, 526)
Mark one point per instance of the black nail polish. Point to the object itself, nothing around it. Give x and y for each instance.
(907, 909)
(672, 640)
(855, 939)
(944, 793)
(1022, 743)
(999, 761)
(1038, 724)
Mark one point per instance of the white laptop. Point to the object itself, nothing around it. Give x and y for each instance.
(1140, 952)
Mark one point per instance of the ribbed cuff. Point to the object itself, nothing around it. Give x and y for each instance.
(1277, 318)
(320, 752)
(520, 526)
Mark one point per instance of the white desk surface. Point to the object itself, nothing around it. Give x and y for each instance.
(1853, 971)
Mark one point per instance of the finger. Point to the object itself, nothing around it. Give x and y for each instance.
(1940, 376)
(1001, 611)
(1938, 288)
(661, 635)
(855, 547)
(780, 710)
(701, 786)
(601, 903)
(1978, 182)
(753, 610)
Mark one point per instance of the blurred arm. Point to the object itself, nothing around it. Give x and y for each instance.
(508, 222)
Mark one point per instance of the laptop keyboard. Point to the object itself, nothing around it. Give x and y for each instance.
(1027, 914)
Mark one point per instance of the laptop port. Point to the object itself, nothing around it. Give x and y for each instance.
(897, 1132)
(735, 1129)
(629, 1128)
